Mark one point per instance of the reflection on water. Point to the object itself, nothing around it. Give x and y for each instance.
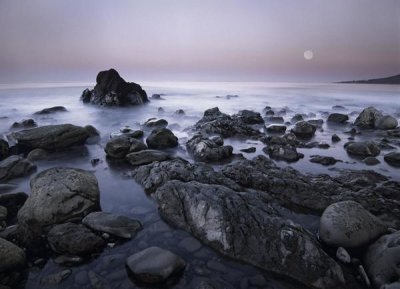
(124, 196)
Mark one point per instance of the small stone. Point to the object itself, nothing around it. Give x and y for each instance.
(335, 138)
(371, 161)
(249, 150)
(343, 255)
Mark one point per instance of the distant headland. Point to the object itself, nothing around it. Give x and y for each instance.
(386, 80)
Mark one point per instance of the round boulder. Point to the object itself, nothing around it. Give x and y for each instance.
(365, 149)
(393, 158)
(386, 122)
(161, 138)
(348, 224)
(12, 257)
(304, 129)
(368, 117)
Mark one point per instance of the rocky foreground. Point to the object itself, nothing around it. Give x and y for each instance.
(248, 210)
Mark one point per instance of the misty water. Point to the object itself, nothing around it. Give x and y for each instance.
(120, 194)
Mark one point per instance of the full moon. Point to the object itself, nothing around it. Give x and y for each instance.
(308, 54)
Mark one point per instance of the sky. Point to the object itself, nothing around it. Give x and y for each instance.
(206, 40)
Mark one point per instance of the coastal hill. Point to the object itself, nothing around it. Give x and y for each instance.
(386, 80)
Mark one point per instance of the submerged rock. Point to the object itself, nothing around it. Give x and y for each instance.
(335, 138)
(275, 119)
(161, 138)
(15, 166)
(112, 90)
(368, 117)
(12, 257)
(249, 150)
(25, 123)
(286, 153)
(51, 137)
(73, 239)
(366, 149)
(146, 156)
(58, 195)
(116, 225)
(348, 224)
(382, 260)
(371, 161)
(52, 110)
(55, 278)
(393, 158)
(324, 160)
(279, 129)
(204, 149)
(154, 265)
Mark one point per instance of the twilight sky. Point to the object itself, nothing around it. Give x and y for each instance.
(213, 40)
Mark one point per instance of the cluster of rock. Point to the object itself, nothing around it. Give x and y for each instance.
(112, 90)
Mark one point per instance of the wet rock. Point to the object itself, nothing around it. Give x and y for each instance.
(296, 118)
(12, 257)
(73, 239)
(25, 123)
(15, 166)
(393, 158)
(303, 129)
(52, 110)
(371, 161)
(156, 96)
(119, 147)
(218, 140)
(155, 123)
(342, 255)
(146, 156)
(116, 225)
(269, 112)
(275, 119)
(249, 150)
(13, 202)
(154, 265)
(246, 226)
(382, 261)
(205, 150)
(112, 90)
(386, 122)
(4, 149)
(180, 112)
(51, 137)
(335, 138)
(161, 138)
(58, 195)
(216, 122)
(368, 117)
(276, 129)
(249, 117)
(338, 118)
(127, 132)
(286, 153)
(55, 278)
(316, 122)
(37, 155)
(338, 107)
(366, 149)
(348, 224)
(287, 139)
(324, 160)
(68, 260)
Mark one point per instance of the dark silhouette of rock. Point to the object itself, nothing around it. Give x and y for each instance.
(112, 90)
(52, 110)
(161, 138)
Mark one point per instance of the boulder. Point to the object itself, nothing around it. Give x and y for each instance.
(13, 202)
(116, 225)
(324, 160)
(316, 122)
(161, 138)
(365, 148)
(146, 156)
(368, 117)
(4, 149)
(278, 129)
(73, 239)
(128, 132)
(386, 122)
(119, 147)
(338, 118)
(15, 166)
(58, 196)
(205, 150)
(335, 138)
(51, 137)
(52, 110)
(275, 119)
(112, 90)
(249, 117)
(304, 129)
(25, 123)
(37, 155)
(247, 227)
(249, 150)
(155, 123)
(285, 153)
(371, 161)
(348, 224)
(382, 260)
(12, 257)
(393, 158)
(154, 265)
(297, 117)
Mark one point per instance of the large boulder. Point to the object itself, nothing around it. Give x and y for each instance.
(206, 150)
(348, 224)
(51, 137)
(116, 225)
(154, 265)
(58, 196)
(12, 257)
(161, 138)
(15, 166)
(368, 117)
(382, 260)
(386, 122)
(74, 239)
(364, 148)
(112, 90)
(248, 227)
